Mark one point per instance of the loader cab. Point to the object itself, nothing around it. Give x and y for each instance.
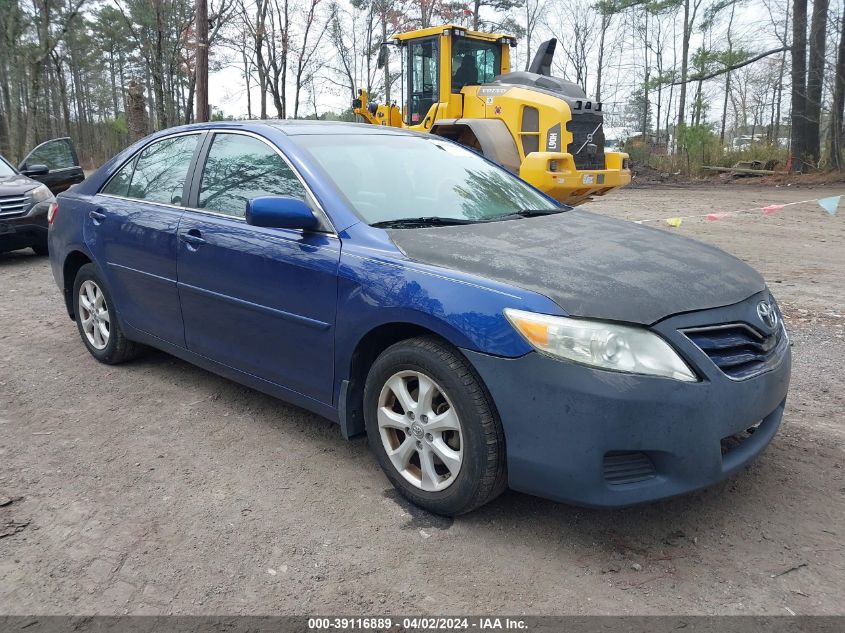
(439, 62)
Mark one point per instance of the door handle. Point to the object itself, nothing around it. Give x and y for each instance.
(192, 238)
(97, 215)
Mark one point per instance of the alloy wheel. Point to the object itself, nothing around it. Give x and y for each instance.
(94, 314)
(420, 430)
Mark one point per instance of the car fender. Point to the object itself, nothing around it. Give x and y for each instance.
(375, 290)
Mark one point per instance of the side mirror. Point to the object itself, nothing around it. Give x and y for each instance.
(382, 56)
(34, 170)
(280, 212)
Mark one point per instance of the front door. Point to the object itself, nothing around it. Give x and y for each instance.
(423, 83)
(261, 300)
(60, 159)
(131, 232)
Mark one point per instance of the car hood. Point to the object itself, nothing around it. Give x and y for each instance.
(16, 185)
(590, 265)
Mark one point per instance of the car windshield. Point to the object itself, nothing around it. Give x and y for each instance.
(5, 168)
(388, 178)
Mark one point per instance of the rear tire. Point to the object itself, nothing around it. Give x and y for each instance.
(97, 321)
(433, 427)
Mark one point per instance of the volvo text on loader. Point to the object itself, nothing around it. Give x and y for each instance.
(458, 84)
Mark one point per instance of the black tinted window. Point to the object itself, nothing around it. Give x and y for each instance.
(475, 62)
(55, 154)
(119, 183)
(161, 170)
(240, 168)
(425, 91)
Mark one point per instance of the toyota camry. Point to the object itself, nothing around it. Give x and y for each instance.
(480, 334)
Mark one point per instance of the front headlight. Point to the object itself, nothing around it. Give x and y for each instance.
(623, 348)
(40, 194)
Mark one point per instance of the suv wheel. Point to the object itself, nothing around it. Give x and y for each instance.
(41, 249)
(96, 319)
(433, 427)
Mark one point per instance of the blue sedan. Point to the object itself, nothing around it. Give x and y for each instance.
(480, 334)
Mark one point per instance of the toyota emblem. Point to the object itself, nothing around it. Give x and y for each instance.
(767, 313)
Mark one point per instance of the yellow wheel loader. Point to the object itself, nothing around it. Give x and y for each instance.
(458, 84)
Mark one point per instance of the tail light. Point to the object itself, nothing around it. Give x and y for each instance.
(52, 210)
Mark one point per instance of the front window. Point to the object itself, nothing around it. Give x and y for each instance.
(55, 154)
(475, 62)
(240, 168)
(396, 177)
(423, 82)
(5, 169)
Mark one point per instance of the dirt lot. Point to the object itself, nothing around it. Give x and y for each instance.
(157, 487)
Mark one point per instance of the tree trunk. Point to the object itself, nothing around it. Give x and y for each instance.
(836, 110)
(682, 93)
(386, 65)
(798, 144)
(815, 79)
(113, 77)
(158, 69)
(201, 62)
(245, 59)
(605, 24)
(136, 111)
(62, 91)
(727, 77)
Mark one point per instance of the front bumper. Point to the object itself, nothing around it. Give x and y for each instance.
(570, 185)
(25, 230)
(600, 438)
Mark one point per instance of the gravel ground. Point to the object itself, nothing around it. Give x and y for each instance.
(157, 487)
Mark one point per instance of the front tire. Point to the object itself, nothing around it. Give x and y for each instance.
(433, 427)
(41, 249)
(96, 319)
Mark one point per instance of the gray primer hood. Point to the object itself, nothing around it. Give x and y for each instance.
(590, 265)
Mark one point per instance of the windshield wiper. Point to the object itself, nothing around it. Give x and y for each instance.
(410, 223)
(528, 213)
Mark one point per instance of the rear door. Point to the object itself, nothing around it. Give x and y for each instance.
(59, 156)
(261, 300)
(131, 230)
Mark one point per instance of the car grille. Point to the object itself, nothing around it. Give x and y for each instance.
(581, 126)
(11, 206)
(627, 468)
(739, 350)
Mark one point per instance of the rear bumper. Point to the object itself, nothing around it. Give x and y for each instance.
(569, 184)
(26, 230)
(600, 438)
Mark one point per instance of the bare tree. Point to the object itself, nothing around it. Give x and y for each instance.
(691, 8)
(815, 80)
(535, 13)
(836, 109)
(798, 144)
(307, 49)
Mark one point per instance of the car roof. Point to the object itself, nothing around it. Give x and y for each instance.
(296, 127)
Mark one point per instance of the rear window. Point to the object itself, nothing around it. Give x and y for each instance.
(157, 173)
